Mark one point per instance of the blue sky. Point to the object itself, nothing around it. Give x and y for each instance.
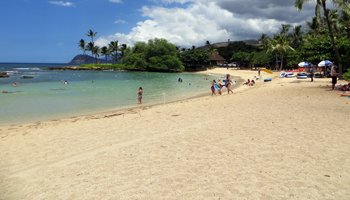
(49, 31)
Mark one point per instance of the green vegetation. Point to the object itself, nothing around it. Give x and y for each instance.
(326, 36)
(347, 75)
(344, 9)
(156, 55)
(114, 50)
(194, 59)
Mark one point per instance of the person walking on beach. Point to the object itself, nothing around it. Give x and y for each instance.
(139, 95)
(334, 76)
(312, 73)
(229, 84)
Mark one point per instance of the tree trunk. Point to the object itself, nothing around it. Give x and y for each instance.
(281, 62)
(276, 65)
(331, 35)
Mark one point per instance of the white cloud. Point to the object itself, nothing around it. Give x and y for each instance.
(120, 21)
(209, 20)
(62, 3)
(116, 1)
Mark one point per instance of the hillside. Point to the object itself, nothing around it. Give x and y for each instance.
(85, 59)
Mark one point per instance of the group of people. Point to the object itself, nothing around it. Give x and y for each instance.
(249, 82)
(217, 86)
(344, 87)
(333, 74)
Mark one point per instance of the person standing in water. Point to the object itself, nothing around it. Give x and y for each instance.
(212, 88)
(229, 84)
(139, 95)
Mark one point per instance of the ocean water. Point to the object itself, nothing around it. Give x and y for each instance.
(44, 96)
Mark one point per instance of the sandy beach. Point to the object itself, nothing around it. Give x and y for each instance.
(284, 139)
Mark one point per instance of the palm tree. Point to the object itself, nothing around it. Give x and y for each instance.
(285, 29)
(334, 18)
(96, 52)
(297, 37)
(82, 45)
(270, 44)
(345, 21)
(113, 47)
(90, 47)
(344, 5)
(122, 49)
(280, 45)
(264, 40)
(105, 52)
(314, 26)
(299, 5)
(91, 34)
(211, 48)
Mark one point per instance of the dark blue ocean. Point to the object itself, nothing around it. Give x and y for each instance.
(33, 93)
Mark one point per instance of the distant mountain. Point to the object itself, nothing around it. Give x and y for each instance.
(225, 44)
(86, 59)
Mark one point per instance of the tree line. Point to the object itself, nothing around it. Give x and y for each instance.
(113, 50)
(154, 55)
(326, 36)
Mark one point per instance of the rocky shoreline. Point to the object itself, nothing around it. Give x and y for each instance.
(4, 75)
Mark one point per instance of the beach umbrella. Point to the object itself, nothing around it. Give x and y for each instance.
(304, 64)
(325, 63)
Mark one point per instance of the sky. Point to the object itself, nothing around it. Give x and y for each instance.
(48, 31)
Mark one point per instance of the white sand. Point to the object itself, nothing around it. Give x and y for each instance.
(287, 139)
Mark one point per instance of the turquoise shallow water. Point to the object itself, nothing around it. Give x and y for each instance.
(45, 96)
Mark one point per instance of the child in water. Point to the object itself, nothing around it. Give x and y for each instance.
(139, 95)
(213, 88)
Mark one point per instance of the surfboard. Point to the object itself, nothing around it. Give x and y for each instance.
(267, 70)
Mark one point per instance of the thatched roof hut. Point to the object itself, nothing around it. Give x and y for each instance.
(216, 59)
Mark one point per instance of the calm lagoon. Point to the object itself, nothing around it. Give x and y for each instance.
(44, 96)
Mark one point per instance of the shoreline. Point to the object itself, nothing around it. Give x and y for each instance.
(116, 111)
(247, 74)
(286, 139)
(60, 105)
